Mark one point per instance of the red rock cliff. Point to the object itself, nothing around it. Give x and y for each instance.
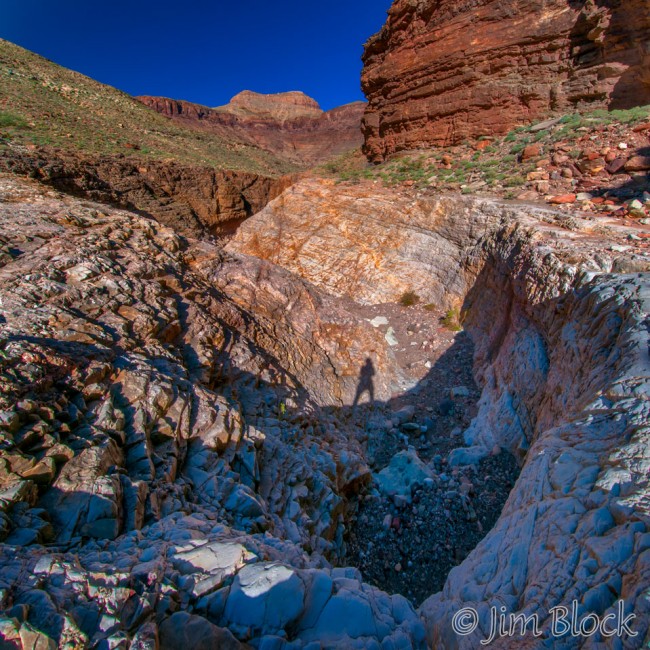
(290, 125)
(441, 71)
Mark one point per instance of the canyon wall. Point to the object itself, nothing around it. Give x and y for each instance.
(442, 72)
(373, 244)
(290, 125)
(563, 360)
(151, 385)
(561, 356)
(193, 200)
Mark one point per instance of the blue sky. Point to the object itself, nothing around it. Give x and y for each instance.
(203, 51)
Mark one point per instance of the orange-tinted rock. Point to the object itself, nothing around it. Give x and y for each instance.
(638, 164)
(562, 198)
(531, 151)
(443, 71)
(591, 167)
(482, 144)
(290, 125)
(194, 200)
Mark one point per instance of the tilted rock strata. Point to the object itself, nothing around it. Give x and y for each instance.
(141, 404)
(561, 355)
(373, 244)
(290, 125)
(193, 200)
(441, 72)
(565, 371)
(169, 422)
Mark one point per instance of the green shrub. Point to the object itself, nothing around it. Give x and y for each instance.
(430, 307)
(11, 119)
(409, 298)
(451, 320)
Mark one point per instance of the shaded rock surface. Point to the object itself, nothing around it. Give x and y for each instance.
(289, 125)
(441, 72)
(204, 459)
(192, 200)
(181, 450)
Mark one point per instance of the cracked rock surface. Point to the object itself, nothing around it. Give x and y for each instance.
(180, 463)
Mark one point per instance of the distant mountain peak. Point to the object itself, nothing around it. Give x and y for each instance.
(279, 106)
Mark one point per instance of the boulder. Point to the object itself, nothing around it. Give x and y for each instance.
(404, 473)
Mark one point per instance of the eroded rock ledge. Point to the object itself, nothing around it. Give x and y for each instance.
(193, 200)
(177, 459)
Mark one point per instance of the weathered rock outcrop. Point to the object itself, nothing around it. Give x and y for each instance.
(563, 358)
(192, 200)
(148, 427)
(561, 353)
(442, 72)
(373, 244)
(290, 125)
(173, 422)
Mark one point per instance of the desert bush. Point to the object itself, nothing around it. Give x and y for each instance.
(409, 298)
(451, 320)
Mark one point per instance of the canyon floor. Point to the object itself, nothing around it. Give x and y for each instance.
(266, 445)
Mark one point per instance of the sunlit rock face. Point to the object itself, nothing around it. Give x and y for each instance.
(442, 72)
(178, 453)
(290, 125)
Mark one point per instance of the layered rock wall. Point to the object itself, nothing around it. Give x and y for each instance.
(193, 200)
(564, 364)
(442, 72)
(290, 125)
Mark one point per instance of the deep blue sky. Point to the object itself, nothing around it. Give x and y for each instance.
(203, 51)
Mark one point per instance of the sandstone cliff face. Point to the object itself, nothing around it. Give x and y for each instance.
(441, 72)
(290, 125)
(192, 200)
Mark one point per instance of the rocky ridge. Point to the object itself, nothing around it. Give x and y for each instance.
(289, 125)
(442, 72)
(44, 104)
